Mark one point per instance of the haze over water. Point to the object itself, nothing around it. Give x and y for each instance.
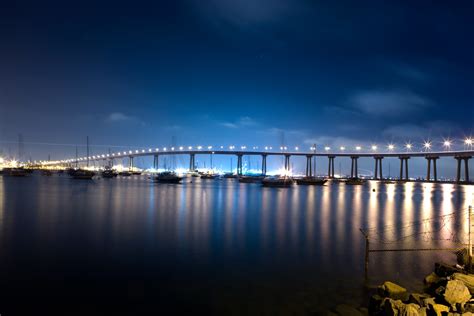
(218, 246)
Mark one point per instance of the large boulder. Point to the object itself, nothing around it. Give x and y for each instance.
(394, 291)
(433, 278)
(392, 307)
(444, 270)
(437, 310)
(467, 279)
(412, 310)
(418, 298)
(456, 293)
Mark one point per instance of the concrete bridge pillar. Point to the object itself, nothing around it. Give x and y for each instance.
(155, 162)
(287, 162)
(459, 166)
(354, 169)
(192, 163)
(331, 166)
(130, 163)
(239, 165)
(264, 165)
(309, 166)
(428, 169)
(378, 174)
(403, 171)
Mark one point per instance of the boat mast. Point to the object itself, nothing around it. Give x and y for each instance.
(87, 144)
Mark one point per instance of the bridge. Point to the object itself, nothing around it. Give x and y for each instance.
(461, 158)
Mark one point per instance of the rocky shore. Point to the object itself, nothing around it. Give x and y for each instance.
(448, 291)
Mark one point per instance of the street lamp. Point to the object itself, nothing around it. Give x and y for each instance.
(427, 145)
(447, 144)
(374, 147)
(391, 147)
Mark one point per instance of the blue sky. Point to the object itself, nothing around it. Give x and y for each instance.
(234, 72)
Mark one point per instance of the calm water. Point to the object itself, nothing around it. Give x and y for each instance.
(128, 245)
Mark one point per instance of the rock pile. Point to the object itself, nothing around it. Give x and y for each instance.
(448, 292)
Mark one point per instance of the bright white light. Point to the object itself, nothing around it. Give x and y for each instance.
(149, 150)
(180, 147)
(447, 143)
(427, 145)
(157, 149)
(342, 148)
(358, 148)
(327, 148)
(199, 147)
(408, 146)
(468, 141)
(281, 147)
(136, 151)
(266, 147)
(164, 148)
(130, 152)
(296, 148)
(374, 147)
(222, 147)
(190, 147)
(209, 147)
(391, 147)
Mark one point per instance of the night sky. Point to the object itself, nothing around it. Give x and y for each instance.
(225, 72)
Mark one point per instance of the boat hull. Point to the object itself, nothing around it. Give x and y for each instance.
(311, 181)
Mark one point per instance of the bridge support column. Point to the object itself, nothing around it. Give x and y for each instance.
(354, 169)
(239, 165)
(428, 169)
(378, 168)
(130, 163)
(155, 162)
(192, 163)
(309, 166)
(264, 165)
(287, 163)
(459, 166)
(331, 167)
(403, 171)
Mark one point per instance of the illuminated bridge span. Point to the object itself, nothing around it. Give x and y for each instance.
(461, 158)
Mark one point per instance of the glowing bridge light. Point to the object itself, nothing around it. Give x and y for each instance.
(209, 147)
(342, 148)
(136, 151)
(180, 147)
(427, 145)
(266, 147)
(327, 148)
(358, 148)
(222, 147)
(296, 148)
(164, 149)
(149, 150)
(468, 141)
(199, 147)
(172, 148)
(447, 143)
(157, 149)
(130, 152)
(374, 147)
(190, 147)
(391, 147)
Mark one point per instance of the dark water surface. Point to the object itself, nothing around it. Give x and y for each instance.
(130, 246)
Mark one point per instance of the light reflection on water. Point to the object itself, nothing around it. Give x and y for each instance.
(215, 233)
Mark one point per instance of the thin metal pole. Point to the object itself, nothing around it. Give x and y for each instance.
(470, 241)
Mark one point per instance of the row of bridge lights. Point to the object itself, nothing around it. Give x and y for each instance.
(427, 145)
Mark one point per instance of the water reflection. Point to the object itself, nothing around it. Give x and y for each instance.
(228, 230)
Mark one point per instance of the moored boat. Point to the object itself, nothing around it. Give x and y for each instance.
(209, 176)
(355, 181)
(109, 173)
(278, 182)
(15, 172)
(229, 175)
(82, 174)
(168, 177)
(311, 181)
(125, 174)
(251, 179)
